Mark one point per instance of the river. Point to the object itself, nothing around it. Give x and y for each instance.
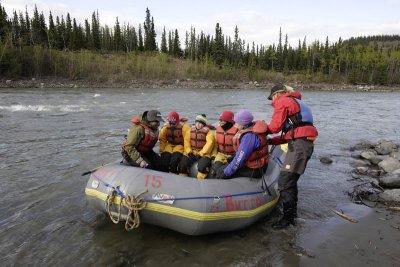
(50, 136)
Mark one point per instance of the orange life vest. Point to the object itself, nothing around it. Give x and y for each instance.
(259, 157)
(174, 134)
(149, 140)
(198, 137)
(224, 140)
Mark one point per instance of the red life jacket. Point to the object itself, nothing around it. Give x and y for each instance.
(258, 158)
(174, 134)
(198, 137)
(225, 140)
(149, 140)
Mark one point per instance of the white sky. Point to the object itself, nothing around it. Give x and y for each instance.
(258, 20)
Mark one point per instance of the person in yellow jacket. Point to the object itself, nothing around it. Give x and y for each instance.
(172, 141)
(199, 145)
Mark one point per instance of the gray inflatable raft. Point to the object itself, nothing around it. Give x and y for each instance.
(184, 204)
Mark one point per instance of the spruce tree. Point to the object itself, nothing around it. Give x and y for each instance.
(96, 31)
(164, 48)
(88, 36)
(4, 27)
(218, 47)
(118, 42)
(177, 51)
(140, 37)
(52, 33)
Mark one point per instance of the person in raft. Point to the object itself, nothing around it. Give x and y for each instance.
(224, 135)
(251, 148)
(294, 119)
(199, 146)
(172, 141)
(137, 150)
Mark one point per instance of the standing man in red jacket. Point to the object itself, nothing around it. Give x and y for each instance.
(293, 118)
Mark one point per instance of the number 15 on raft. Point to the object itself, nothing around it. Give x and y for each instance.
(154, 181)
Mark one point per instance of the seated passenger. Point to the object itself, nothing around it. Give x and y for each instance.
(137, 150)
(224, 141)
(250, 144)
(199, 145)
(171, 141)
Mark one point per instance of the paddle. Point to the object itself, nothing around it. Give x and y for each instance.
(95, 169)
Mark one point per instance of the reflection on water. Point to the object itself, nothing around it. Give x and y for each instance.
(48, 138)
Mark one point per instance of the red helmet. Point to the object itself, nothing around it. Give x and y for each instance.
(173, 117)
(227, 116)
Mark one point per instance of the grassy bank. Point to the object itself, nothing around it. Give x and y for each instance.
(39, 62)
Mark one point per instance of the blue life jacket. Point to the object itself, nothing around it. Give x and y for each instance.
(302, 118)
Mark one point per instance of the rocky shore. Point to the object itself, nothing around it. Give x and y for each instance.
(52, 82)
(376, 169)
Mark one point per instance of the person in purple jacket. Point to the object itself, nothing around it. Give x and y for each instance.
(251, 148)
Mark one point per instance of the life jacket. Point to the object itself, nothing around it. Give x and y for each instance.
(148, 141)
(301, 118)
(258, 158)
(224, 140)
(174, 134)
(198, 137)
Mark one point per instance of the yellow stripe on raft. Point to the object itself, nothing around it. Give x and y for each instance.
(194, 215)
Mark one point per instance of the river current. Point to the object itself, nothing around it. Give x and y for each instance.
(50, 136)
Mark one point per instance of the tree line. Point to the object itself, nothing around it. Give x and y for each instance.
(373, 59)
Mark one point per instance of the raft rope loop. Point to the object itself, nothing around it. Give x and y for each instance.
(133, 203)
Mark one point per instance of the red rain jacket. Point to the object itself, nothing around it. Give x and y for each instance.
(285, 106)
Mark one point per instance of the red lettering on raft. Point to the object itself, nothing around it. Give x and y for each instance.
(154, 180)
(232, 204)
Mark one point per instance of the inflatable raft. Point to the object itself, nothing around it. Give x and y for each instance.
(184, 204)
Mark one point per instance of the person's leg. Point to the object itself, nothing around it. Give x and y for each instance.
(128, 159)
(287, 183)
(166, 160)
(154, 161)
(174, 162)
(203, 167)
(184, 165)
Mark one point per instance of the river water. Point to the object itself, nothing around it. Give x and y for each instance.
(50, 136)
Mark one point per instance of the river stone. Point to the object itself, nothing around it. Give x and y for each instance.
(355, 155)
(362, 145)
(376, 159)
(391, 195)
(389, 164)
(326, 160)
(368, 154)
(362, 170)
(360, 163)
(385, 147)
(391, 180)
(395, 154)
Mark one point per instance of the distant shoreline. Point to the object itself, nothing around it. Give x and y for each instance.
(53, 82)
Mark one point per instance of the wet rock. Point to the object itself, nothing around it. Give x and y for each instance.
(368, 154)
(385, 147)
(391, 195)
(355, 155)
(362, 170)
(389, 164)
(376, 159)
(360, 163)
(362, 145)
(326, 160)
(375, 173)
(391, 180)
(395, 154)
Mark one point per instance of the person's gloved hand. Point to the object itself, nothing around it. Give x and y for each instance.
(220, 174)
(143, 164)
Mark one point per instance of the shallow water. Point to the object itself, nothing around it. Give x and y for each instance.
(49, 137)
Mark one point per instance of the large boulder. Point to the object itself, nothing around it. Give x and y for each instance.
(368, 154)
(385, 147)
(360, 163)
(376, 159)
(391, 180)
(395, 154)
(391, 195)
(362, 145)
(389, 164)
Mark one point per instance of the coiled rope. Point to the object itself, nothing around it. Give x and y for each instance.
(133, 203)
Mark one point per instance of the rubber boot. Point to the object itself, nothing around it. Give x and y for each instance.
(201, 175)
(287, 218)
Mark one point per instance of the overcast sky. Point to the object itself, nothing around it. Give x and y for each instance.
(258, 21)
